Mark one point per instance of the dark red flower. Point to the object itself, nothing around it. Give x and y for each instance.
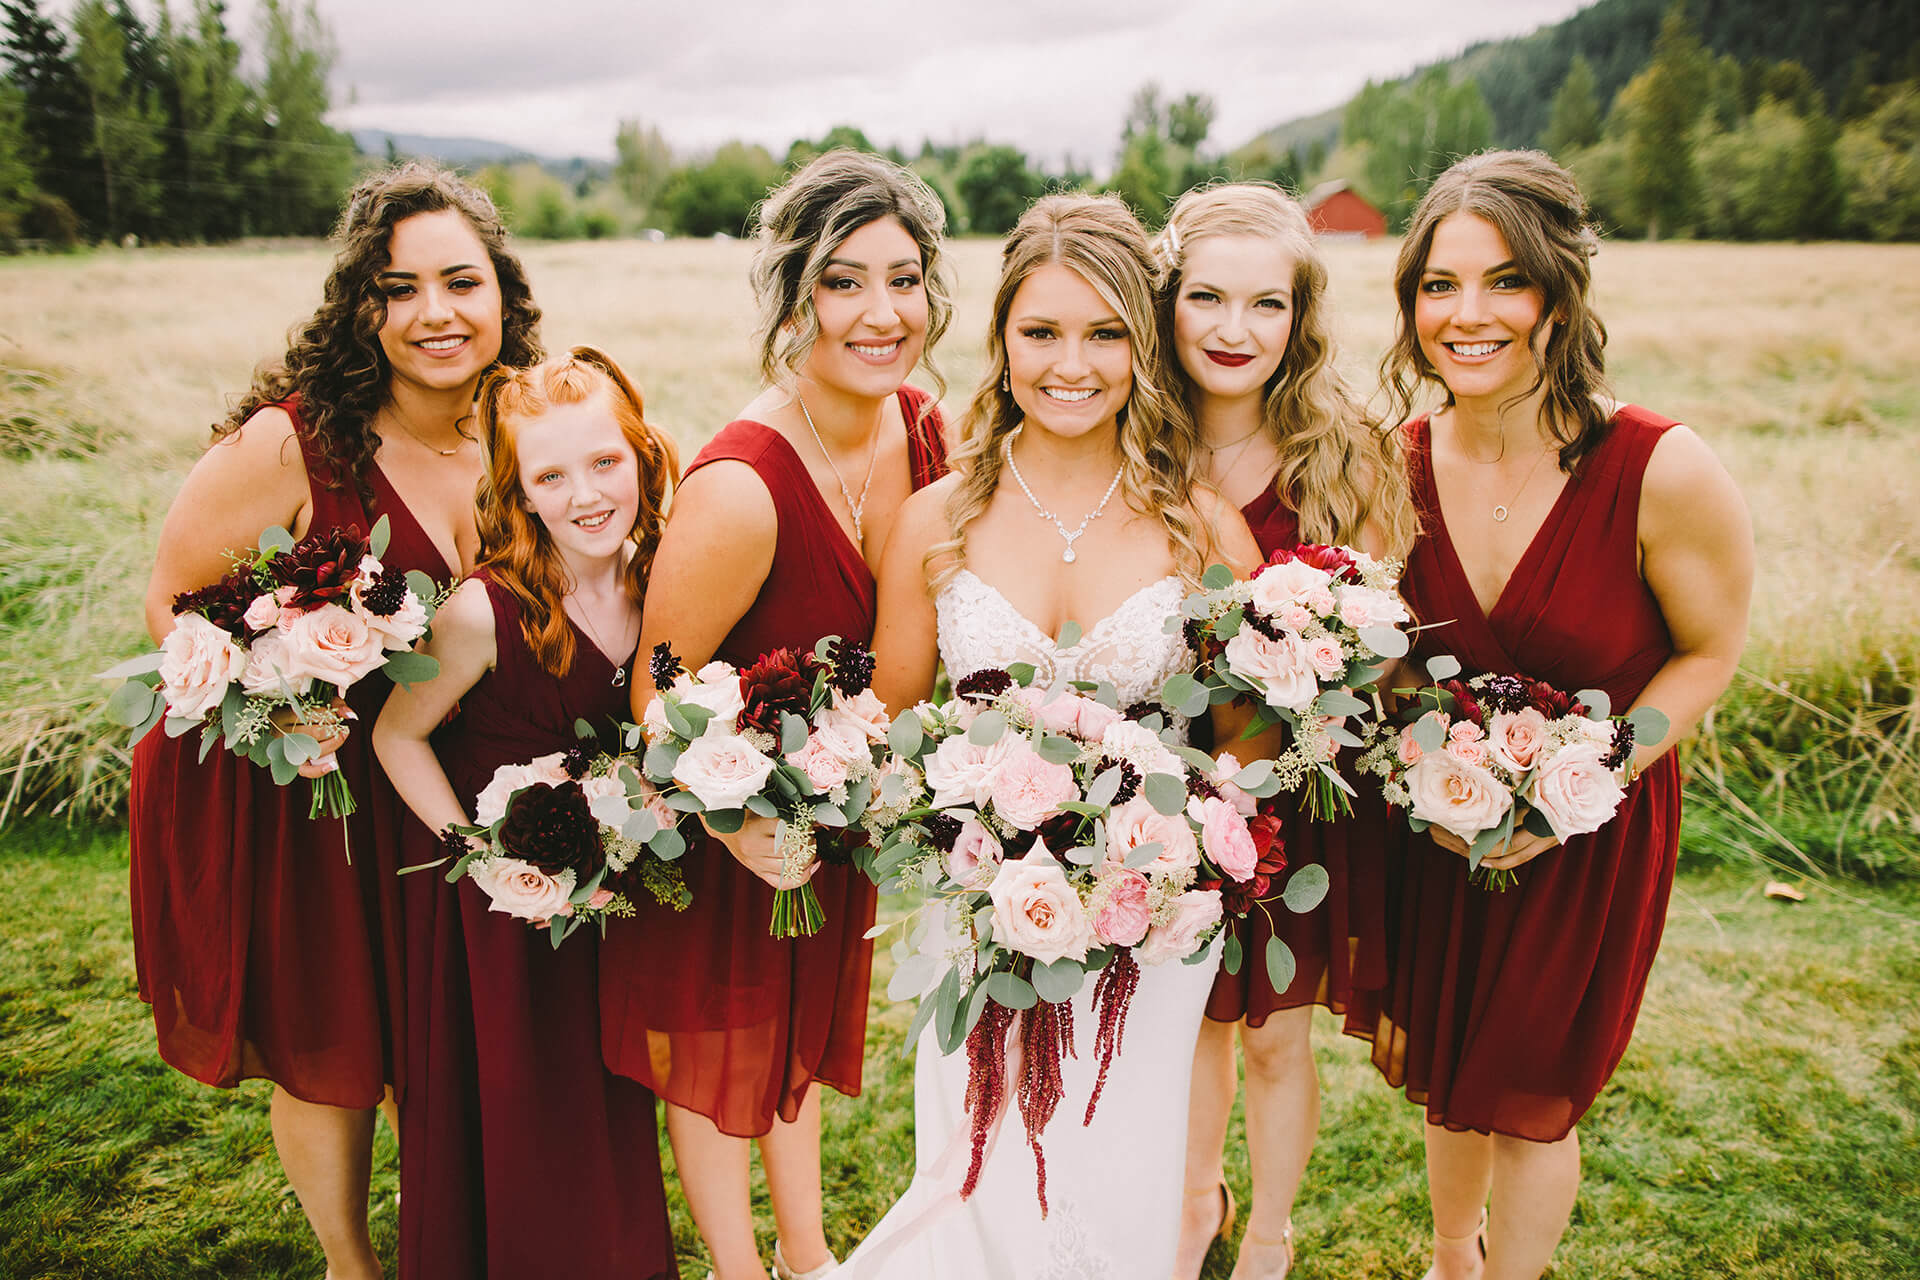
(1060, 832)
(553, 828)
(986, 684)
(1238, 896)
(1469, 705)
(320, 567)
(1337, 561)
(1268, 845)
(388, 592)
(224, 604)
(852, 666)
(943, 830)
(780, 681)
(1554, 703)
(663, 666)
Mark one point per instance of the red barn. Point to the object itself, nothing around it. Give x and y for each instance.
(1336, 209)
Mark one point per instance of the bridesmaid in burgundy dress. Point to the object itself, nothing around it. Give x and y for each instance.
(1582, 542)
(1244, 310)
(263, 950)
(525, 1156)
(769, 546)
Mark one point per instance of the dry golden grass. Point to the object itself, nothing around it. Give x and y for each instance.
(1795, 362)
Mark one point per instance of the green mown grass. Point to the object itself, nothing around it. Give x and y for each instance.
(1765, 1123)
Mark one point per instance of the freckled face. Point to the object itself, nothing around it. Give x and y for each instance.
(1233, 316)
(443, 325)
(1069, 355)
(580, 476)
(1473, 311)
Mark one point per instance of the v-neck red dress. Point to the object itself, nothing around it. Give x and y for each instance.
(267, 942)
(1340, 944)
(522, 1154)
(1508, 1012)
(702, 1006)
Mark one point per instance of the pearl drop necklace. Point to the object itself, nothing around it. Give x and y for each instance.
(1069, 555)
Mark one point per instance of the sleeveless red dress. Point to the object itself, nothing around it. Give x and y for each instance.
(702, 1006)
(1508, 1012)
(1340, 944)
(263, 950)
(524, 1155)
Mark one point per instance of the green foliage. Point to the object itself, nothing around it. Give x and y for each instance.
(1576, 116)
(1879, 159)
(643, 165)
(1775, 177)
(1160, 153)
(1405, 135)
(996, 186)
(58, 116)
(307, 165)
(126, 121)
(1661, 105)
(720, 195)
(16, 170)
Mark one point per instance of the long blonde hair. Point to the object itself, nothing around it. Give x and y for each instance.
(1100, 240)
(1338, 472)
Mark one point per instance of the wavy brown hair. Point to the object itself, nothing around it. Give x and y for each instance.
(334, 363)
(515, 548)
(1538, 209)
(1098, 238)
(810, 216)
(1337, 472)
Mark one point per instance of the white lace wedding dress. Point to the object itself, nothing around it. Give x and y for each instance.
(1113, 1187)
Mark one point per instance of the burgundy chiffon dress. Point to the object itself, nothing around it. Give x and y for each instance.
(702, 1006)
(268, 943)
(1340, 944)
(1508, 1012)
(524, 1156)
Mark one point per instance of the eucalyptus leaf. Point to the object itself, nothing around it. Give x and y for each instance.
(987, 728)
(1166, 793)
(893, 788)
(823, 648)
(1217, 577)
(640, 826)
(1057, 748)
(1022, 673)
(976, 1005)
(684, 802)
(793, 733)
(929, 1005)
(1070, 634)
(762, 806)
(1280, 965)
(660, 759)
(424, 590)
(406, 668)
(284, 770)
(1338, 702)
(1599, 704)
(1142, 854)
(1228, 624)
(1231, 953)
(1443, 666)
(1536, 822)
(1650, 725)
(1344, 736)
(912, 976)
(1105, 787)
(905, 735)
(1429, 735)
(133, 666)
(677, 719)
(1083, 809)
(697, 716)
(378, 539)
(581, 729)
(274, 540)
(1060, 981)
(726, 821)
(1011, 990)
(132, 704)
(827, 814)
(1080, 855)
(299, 748)
(1254, 775)
(1388, 642)
(1306, 888)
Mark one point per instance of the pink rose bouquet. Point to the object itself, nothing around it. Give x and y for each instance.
(276, 643)
(1298, 640)
(1053, 838)
(800, 737)
(561, 840)
(1493, 754)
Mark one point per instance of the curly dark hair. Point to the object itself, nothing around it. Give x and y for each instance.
(334, 363)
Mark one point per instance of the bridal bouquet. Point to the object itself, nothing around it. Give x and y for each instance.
(1054, 838)
(562, 837)
(1295, 640)
(1485, 756)
(278, 641)
(796, 736)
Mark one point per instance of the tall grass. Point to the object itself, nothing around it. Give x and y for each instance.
(1794, 362)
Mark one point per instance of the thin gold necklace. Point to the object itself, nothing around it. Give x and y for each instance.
(1238, 446)
(418, 439)
(1501, 510)
(854, 509)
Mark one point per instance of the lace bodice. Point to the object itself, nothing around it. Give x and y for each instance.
(1131, 647)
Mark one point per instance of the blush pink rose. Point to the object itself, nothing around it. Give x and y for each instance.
(722, 771)
(976, 854)
(1455, 796)
(1278, 585)
(1517, 737)
(1294, 617)
(824, 767)
(1028, 790)
(1369, 607)
(863, 711)
(1280, 667)
(263, 613)
(1123, 916)
(333, 645)
(1195, 912)
(1137, 822)
(1225, 769)
(599, 898)
(962, 773)
(269, 671)
(491, 804)
(1036, 912)
(198, 662)
(715, 687)
(521, 889)
(1224, 835)
(1326, 657)
(1574, 791)
(607, 800)
(1133, 742)
(1466, 742)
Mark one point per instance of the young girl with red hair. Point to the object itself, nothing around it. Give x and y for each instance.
(524, 1155)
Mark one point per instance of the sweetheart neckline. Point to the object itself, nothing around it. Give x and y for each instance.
(1087, 633)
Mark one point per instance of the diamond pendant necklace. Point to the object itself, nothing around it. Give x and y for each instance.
(1069, 555)
(855, 509)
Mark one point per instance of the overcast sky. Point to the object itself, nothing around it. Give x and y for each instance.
(1050, 77)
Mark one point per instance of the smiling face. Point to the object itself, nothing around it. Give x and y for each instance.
(871, 303)
(1474, 312)
(443, 320)
(580, 476)
(1069, 356)
(1234, 313)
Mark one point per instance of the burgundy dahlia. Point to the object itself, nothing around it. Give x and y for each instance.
(320, 567)
(780, 681)
(224, 604)
(553, 828)
(1337, 561)
(986, 684)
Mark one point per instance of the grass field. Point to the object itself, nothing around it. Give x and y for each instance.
(1765, 1123)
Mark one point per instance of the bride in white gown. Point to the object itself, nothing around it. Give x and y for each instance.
(1071, 500)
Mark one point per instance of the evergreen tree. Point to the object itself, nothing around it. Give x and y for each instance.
(16, 172)
(1576, 115)
(58, 119)
(1664, 105)
(1406, 134)
(996, 185)
(306, 165)
(643, 163)
(127, 123)
(219, 128)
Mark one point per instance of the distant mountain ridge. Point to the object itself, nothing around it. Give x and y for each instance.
(1518, 76)
(453, 151)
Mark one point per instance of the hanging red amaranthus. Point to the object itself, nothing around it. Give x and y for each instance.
(986, 1082)
(1046, 1040)
(1112, 996)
